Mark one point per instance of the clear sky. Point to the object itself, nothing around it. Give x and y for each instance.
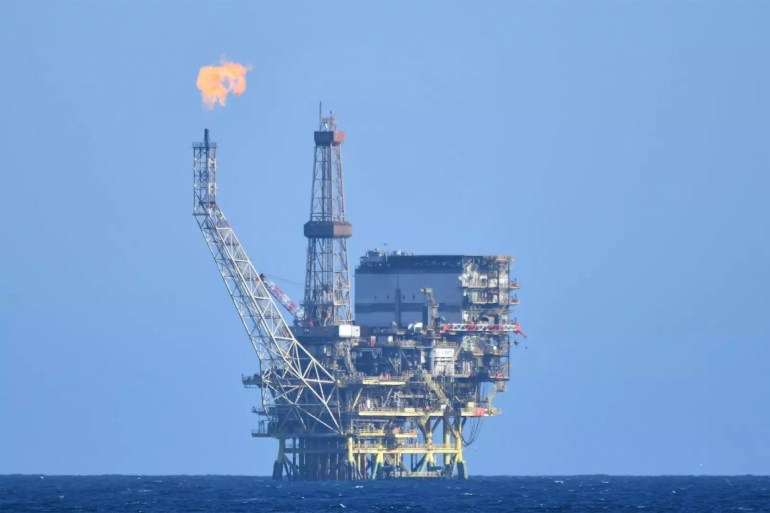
(620, 150)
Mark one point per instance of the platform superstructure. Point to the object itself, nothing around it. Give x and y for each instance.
(400, 391)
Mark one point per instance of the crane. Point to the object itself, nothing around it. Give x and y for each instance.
(297, 390)
(293, 308)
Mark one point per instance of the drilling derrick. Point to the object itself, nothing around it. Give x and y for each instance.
(327, 280)
(400, 393)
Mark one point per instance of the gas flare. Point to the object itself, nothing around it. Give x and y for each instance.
(215, 82)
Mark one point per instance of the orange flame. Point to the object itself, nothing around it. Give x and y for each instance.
(215, 82)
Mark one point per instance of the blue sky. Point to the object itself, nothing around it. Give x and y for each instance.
(618, 149)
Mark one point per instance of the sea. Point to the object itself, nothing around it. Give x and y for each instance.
(188, 494)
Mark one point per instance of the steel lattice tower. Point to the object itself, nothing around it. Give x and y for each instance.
(327, 281)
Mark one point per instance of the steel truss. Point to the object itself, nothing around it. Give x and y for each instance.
(297, 391)
(327, 279)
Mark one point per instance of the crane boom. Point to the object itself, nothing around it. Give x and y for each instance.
(290, 377)
(283, 298)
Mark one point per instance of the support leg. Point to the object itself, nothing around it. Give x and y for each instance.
(279, 460)
(462, 471)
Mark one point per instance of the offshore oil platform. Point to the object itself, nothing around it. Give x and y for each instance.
(399, 392)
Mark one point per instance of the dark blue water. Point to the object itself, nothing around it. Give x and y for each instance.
(479, 494)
